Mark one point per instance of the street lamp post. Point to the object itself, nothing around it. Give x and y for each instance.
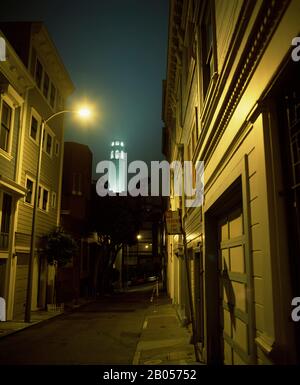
(83, 113)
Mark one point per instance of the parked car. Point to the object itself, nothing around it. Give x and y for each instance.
(152, 278)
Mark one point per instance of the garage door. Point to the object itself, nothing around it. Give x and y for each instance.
(21, 286)
(233, 290)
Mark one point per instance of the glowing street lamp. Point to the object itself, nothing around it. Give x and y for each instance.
(83, 113)
(138, 236)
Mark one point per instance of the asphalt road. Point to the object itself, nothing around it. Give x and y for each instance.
(103, 332)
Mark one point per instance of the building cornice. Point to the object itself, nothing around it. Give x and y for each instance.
(14, 69)
(269, 16)
(175, 41)
(45, 47)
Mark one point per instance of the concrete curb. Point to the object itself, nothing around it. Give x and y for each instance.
(33, 323)
(4, 333)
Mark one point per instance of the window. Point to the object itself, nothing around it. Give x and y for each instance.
(59, 101)
(52, 95)
(29, 194)
(33, 128)
(46, 85)
(53, 200)
(77, 184)
(6, 114)
(5, 220)
(39, 197)
(56, 148)
(207, 48)
(38, 73)
(43, 198)
(49, 144)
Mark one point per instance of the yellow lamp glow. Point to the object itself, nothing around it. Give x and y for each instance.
(139, 236)
(84, 112)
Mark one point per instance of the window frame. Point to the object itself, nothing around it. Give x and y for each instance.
(4, 249)
(207, 81)
(48, 135)
(56, 148)
(52, 87)
(4, 98)
(42, 189)
(39, 86)
(47, 201)
(48, 131)
(33, 190)
(77, 184)
(53, 200)
(45, 75)
(38, 118)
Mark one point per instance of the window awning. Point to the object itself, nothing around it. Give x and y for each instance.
(12, 187)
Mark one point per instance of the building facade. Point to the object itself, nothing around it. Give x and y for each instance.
(14, 85)
(143, 259)
(231, 99)
(50, 86)
(74, 280)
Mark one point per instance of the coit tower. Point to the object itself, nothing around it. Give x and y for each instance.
(118, 172)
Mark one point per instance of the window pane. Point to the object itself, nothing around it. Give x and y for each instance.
(33, 128)
(38, 73)
(5, 125)
(39, 198)
(46, 85)
(53, 200)
(6, 114)
(45, 199)
(5, 220)
(56, 148)
(49, 144)
(52, 95)
(29, 187)
(207, 49)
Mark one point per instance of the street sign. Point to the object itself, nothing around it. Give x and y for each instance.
(173, 221)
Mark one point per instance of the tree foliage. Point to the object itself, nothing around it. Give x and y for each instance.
(116, 220)
(58, 247)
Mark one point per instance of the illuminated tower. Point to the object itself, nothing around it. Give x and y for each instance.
(117, 180)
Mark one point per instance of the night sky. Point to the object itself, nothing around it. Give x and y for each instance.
(115, 53)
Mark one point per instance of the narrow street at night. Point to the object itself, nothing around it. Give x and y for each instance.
(102, 332)
(149, 188)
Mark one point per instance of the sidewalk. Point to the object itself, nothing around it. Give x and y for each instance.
(10, 327)
(164, 341)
